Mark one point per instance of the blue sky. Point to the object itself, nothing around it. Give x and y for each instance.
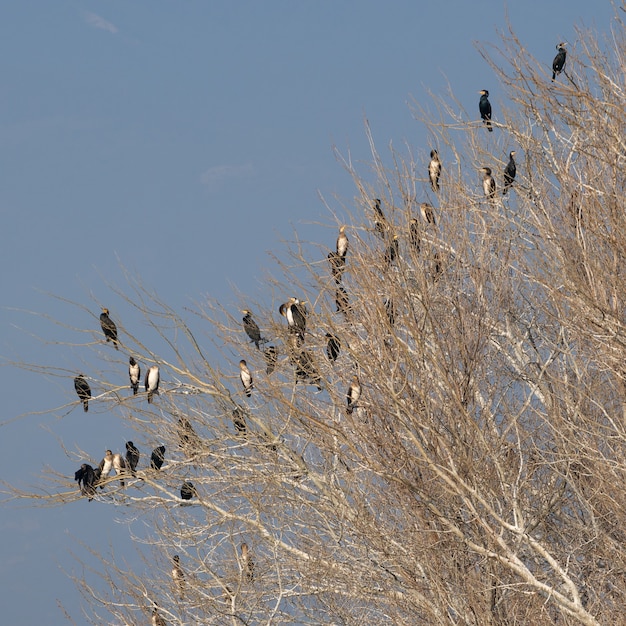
(182, 141)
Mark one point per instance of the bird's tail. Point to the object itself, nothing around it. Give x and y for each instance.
(85, 405)
(553, 76)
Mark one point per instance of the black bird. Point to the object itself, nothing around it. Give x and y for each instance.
(134, 373)
(246, 377)
(271, 357)
(434, 170)
(485, 108)
(87, 479)
(108, 327)
(391, 253)
(489, 184)
(559, 60)
(248, 563)
(152, 382)
(380, 223)
(428, 213)
(332, 347)
(509, 172)
(353, 395)
(157, 458)
(342, 302)
(306, 371)
(337, 265)
(83, 390)
(239, 422)
(188, 491)
(414, 235)
(342, 242)
(390, 309)
(132, 457)
(295, 313)
(251, 328)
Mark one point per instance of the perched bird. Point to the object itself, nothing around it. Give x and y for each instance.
(295, 313)
(509, 172)
(558, 65)
(380, 223)
(391, 252)
(83, 390)
(489, 184)
(485, 108)
(332, 347)
(152, 382)
(178, 576)
(251, 328)
(188, 491)
(157, 620)
(342, 302)
(415, 238)
(108, 327)
(246, 377)
(112, 461)
(390, 309)
(342, 242)
(239, 422)
(434, 170)
(87, 479)
(132, 457)
(354, 393)
(306, 371)
(428, 213)
(188, 439)
(271, 357)
(248, 563)
(437, 269)
(157, 458)
(337, 265)
(134, 373)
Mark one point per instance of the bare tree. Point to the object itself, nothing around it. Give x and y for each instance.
(476, 477)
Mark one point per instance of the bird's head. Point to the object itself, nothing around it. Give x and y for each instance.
(433, 154)
(105, 310)
(107, 452)
(561, 46)
(245, 312)
(242, 363)
(483, 92)
(512, 153)
(486, 170)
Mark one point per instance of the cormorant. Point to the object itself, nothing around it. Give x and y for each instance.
(354, 393)
(434, 170)
(293, 310)
(559, 60)
(152, 382)
(392, 250)
(189, 440)
(89, 479)
(437, 266)
(342, 242)
(251, 328)
(108, 327)
(112, 461)
(157, 620)
(332, 347)
(134, 373)
(337, 265)
(341, 301)
(188, 491)
(271, 357)
(132, 457)
(380, 223)
(485, 108)
(509, 172)
(428, 213)
(306, 371)
(248, 563)
(157, 458)
(239, 422)
(83, 390)
(246, 377)
(414, 235)
(390, 309)
(489, 184)
(178, 576)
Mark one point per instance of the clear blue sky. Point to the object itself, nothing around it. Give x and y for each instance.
(154, 135)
